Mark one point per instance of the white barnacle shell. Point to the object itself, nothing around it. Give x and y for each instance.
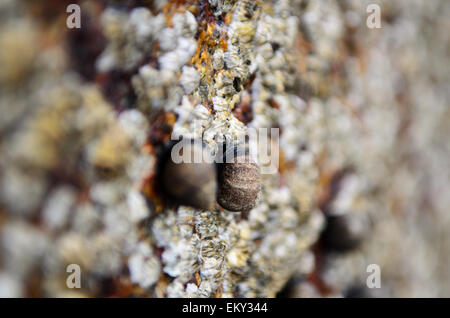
(56, 210)
(232, 59)
(140, 20)
(218, 59)
(174, 60)
(137, 206)
(144, 267)
(186, 48)
(189, 79)
(220, 104)
(237, 126)
(182, 125)
(135, 125)
(185, 24)
(167, 39)
(201, 112)
(150, 75)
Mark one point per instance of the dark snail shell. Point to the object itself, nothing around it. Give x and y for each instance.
(239, 183)
(191, 184)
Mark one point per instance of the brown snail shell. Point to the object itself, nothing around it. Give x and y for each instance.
(193, 184)
(239, 183)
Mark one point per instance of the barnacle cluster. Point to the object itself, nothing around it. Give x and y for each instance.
(363, 171)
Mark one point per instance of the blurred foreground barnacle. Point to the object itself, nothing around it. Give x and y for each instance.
(111, 152)
(345, 232)
(239, 181)
(188, 175)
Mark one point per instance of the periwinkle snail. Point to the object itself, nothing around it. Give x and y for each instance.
(188, 174)
(239, 181)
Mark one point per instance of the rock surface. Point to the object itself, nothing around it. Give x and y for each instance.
(364, 123)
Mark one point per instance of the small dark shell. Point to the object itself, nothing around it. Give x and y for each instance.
(239, 184)
(191, 184)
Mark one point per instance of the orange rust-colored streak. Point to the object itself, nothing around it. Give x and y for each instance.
(284, 165)
(219, 292)
(174, 6)
(159, 134)
(272, 103)
(122, 287)
(323, 186)
(211, 36)
(353, 111)
(161, 286)
(149, 190)
(243, 110)
(161, 128)
(83, 195)
(198, 279)
(227, 18)
(304, 48)
(326, 175)
(2, 217)
(314, 278)
(33, 286)
(202, 58)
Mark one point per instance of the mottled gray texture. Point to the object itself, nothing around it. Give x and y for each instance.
(364, 121)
